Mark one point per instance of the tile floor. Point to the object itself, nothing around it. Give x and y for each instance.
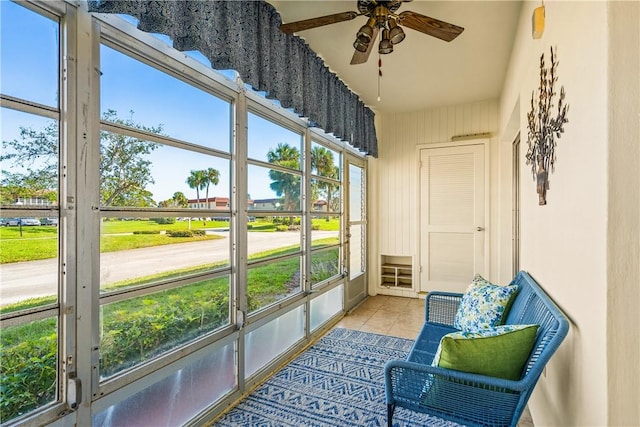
(380, 314)
(396, 316)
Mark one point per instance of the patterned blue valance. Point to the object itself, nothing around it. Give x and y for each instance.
(245, 36)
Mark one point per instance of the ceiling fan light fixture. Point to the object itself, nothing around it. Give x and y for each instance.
(380, 15)
(385, 45)
(396, 34)
(365, 33)
(360, 45)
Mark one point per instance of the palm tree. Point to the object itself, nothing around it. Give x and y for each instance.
(332, 189)
(197, 180)
(322, 164)
(213, 177)
(180, 200)
(285, 184)
(321, 161)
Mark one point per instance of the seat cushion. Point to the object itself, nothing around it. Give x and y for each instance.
(501, 352)
(483, 305)
(427, 342)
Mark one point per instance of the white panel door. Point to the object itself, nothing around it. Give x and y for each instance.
(452, 217)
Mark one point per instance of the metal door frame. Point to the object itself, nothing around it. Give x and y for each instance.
(362, 279)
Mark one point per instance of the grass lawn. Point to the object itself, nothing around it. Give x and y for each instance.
(32, 249)
(117, 226)
(41, 242)
(16, 250)
(323, 225)
(112, 243)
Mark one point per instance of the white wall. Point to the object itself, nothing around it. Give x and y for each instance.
(566, 245)
(393, 177)
(583, 246)
(623, 249)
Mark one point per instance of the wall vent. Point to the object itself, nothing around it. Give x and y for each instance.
(471, 136)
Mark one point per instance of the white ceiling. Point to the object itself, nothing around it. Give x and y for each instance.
(422, 71)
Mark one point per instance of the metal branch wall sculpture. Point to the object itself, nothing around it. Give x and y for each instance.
(543, 129)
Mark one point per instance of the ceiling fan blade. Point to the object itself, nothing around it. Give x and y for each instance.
(362, 57)
(431, 26)
(307, 24)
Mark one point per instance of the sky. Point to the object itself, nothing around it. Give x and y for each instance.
(137, 91)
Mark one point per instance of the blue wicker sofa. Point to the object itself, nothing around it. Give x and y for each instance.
(470, 398)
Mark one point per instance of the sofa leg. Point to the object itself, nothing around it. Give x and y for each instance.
(390, 409)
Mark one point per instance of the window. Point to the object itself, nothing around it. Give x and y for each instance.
(30, 189)
(34, 38)
(326, 219)
(125, 268)
(129, 87)
(164, 271)
(275, 177)
(357, 229)
(176, 398)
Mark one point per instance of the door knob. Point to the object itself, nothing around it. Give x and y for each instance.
(479, 228)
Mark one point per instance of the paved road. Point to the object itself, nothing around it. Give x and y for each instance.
(22, 280)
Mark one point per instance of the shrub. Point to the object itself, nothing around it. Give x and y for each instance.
(28, 375)
(282, 227)
(324, 266)
(198, 232)
(139, 329)
(167, 220)
(146, 232)
(180, 233)
(133, 331)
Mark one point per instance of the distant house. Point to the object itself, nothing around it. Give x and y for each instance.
(320, 206)
(210, 203)
(277, 204)
(35, 201)
(267, 204)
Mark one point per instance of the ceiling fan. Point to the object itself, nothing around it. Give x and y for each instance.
(382, 16)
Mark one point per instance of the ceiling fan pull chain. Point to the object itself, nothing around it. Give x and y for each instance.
(379, 74)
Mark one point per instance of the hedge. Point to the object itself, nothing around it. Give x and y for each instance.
(137, 330)
(134, 331)
(141, 328)
(28, 376)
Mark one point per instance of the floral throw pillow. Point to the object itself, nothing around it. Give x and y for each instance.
(484, 305)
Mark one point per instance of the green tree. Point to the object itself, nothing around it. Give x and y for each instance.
(178, 200)
(285, 184)
(213, 178)
(30, 164)
(124, 166)
(20, 185)
(198, 181)
(322, 164)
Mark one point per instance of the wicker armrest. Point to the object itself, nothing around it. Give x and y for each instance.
(441, 307)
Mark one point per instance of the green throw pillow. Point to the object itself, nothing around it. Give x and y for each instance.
(501, 352)
(483, 305)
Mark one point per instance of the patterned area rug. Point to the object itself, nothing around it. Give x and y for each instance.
(339, 381)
